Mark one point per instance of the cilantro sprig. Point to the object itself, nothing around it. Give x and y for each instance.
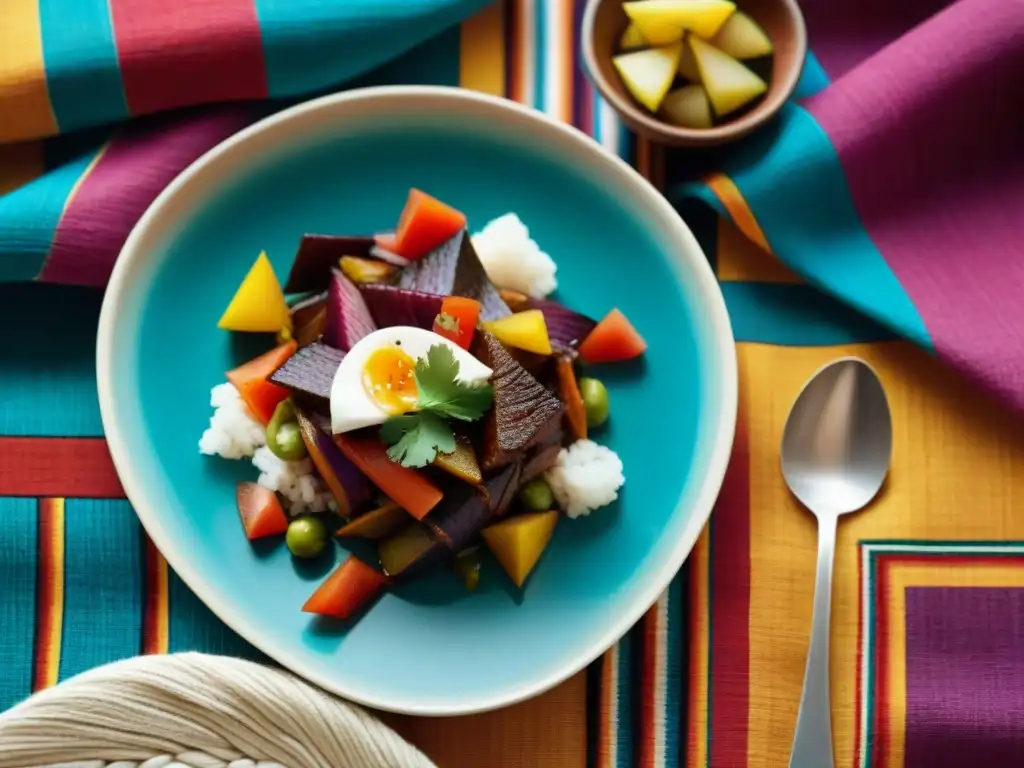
(416, 438)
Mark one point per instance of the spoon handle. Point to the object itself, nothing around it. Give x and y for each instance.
(812, 742)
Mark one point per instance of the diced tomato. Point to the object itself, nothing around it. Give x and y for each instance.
(612, 340)
(263, 366)
(263, 397)
(250, 379)
(425, 223)
(457, 321)
(409, 489)
(569, 392)
(260, 510)
(352, 585)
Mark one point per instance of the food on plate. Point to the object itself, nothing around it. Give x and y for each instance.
(742, 38)
(366, 271)
(648, 74)
(467, 568)
(595, 401)
(665, 21)
(688, 107)
(260, 510)
(284, 439)
(258, 305)
(306, 537)
(586, 476)
(390, 305)
(375, 524)
(309, 319)
(524, 409)
(408, 405)
(309, 373)
(705, 40)
(519, 542)
(512, 260)
(457, 319)
(348, 317)
(346, 483)
(525, 330)
(400, 369)
(454, 269)
(536, 495)
(613, 340)
(317, 256)
(425, 223)
(576, 413)
(346, 591)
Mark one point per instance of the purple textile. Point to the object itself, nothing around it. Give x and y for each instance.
(965, 677)
(136, 165)
(846, 33)
(935, 167)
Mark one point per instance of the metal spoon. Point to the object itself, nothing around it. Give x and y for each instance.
(835, 455)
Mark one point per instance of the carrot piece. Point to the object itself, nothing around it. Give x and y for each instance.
(352, 585)
(569, 392)
(260, 510)
(612, 340)
(457, 321)
(406, 487)
(263, 397)
(425, 223)
(262, 367)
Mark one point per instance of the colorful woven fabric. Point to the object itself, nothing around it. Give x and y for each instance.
(893, 186)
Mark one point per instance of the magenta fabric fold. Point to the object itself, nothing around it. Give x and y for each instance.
(930, 134)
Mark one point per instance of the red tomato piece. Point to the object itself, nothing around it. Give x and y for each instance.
(612, 340)
(263, 397)
(425, 223)
(260, 510)
(250, 379)
(457, 321)
(352, 585)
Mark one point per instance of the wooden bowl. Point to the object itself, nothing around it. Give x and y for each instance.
(603, 24)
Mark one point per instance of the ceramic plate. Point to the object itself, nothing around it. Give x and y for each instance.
(344, 164)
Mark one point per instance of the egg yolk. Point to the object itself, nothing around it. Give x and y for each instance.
(389, 379)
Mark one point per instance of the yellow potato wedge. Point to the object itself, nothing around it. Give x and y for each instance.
(649, 74)
(729, 84)
(664, 21)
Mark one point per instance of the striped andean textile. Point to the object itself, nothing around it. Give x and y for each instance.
(892, 187)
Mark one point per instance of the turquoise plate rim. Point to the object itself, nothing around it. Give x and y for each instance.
(136, 260)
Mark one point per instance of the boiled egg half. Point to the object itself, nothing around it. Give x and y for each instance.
(376, 379)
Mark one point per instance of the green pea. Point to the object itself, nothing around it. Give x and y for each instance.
(284, 439)
(467, 568)
(306, 536)
(595, 401)
(536, 495)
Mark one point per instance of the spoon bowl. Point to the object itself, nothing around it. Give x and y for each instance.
(836, 449)
(838, 439)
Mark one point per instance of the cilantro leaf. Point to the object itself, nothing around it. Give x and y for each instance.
(416, 438)
(441, 393)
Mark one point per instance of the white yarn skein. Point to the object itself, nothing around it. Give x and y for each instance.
(191, 710)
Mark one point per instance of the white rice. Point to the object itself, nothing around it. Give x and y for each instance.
(512, 260)
(233, 432)
(302, 491)
(585, 476)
